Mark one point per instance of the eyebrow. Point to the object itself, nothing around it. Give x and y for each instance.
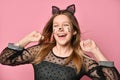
(63, 22)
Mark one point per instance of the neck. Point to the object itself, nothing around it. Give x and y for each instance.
(63, 51)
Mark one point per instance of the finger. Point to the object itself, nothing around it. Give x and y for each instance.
(93, 43)
(82, 44)
(88, 43)
(34, 32)
(36, 35)
(42, 37)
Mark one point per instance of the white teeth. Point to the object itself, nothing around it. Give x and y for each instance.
(61, 35)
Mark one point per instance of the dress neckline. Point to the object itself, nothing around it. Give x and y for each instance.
(58, 56)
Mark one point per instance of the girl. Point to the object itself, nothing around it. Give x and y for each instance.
(59, 54)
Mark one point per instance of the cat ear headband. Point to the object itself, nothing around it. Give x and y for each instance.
(56, 10)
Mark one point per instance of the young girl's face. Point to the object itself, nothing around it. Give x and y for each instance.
(62, 29)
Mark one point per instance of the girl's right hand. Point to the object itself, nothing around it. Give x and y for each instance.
(34, 36)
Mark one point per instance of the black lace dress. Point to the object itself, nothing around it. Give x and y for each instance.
(52, 68)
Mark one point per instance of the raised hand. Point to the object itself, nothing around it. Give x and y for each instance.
(34, 36)
(88, 45)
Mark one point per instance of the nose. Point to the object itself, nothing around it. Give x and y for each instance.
(61, 28)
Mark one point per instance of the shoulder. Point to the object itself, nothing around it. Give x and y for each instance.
(37, 46)
(87, 60)
(85, 56)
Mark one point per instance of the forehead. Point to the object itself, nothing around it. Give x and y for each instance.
(61, 18)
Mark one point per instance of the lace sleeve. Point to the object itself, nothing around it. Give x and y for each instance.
(17, 56)
(99, 72)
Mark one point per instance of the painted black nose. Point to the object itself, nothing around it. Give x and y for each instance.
(60, 28)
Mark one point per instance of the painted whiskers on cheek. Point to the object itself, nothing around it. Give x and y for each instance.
(54, 31)
(68, 29)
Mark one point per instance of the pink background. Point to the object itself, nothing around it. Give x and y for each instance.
(99, 20)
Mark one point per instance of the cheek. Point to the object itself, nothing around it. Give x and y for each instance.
(54, 30)
(68, 30)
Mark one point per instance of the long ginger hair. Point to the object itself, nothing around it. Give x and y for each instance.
(49, 42)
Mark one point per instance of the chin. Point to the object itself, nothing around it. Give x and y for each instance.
(63, 43)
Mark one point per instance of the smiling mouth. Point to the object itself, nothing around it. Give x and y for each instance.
(61, 35)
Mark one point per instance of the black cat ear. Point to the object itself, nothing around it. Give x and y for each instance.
(71, 8)
(55, 10)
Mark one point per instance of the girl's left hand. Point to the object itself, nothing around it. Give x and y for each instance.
(88, 45)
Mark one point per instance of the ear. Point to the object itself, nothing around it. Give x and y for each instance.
(55, 10)
(74, 33)
(71, 8)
